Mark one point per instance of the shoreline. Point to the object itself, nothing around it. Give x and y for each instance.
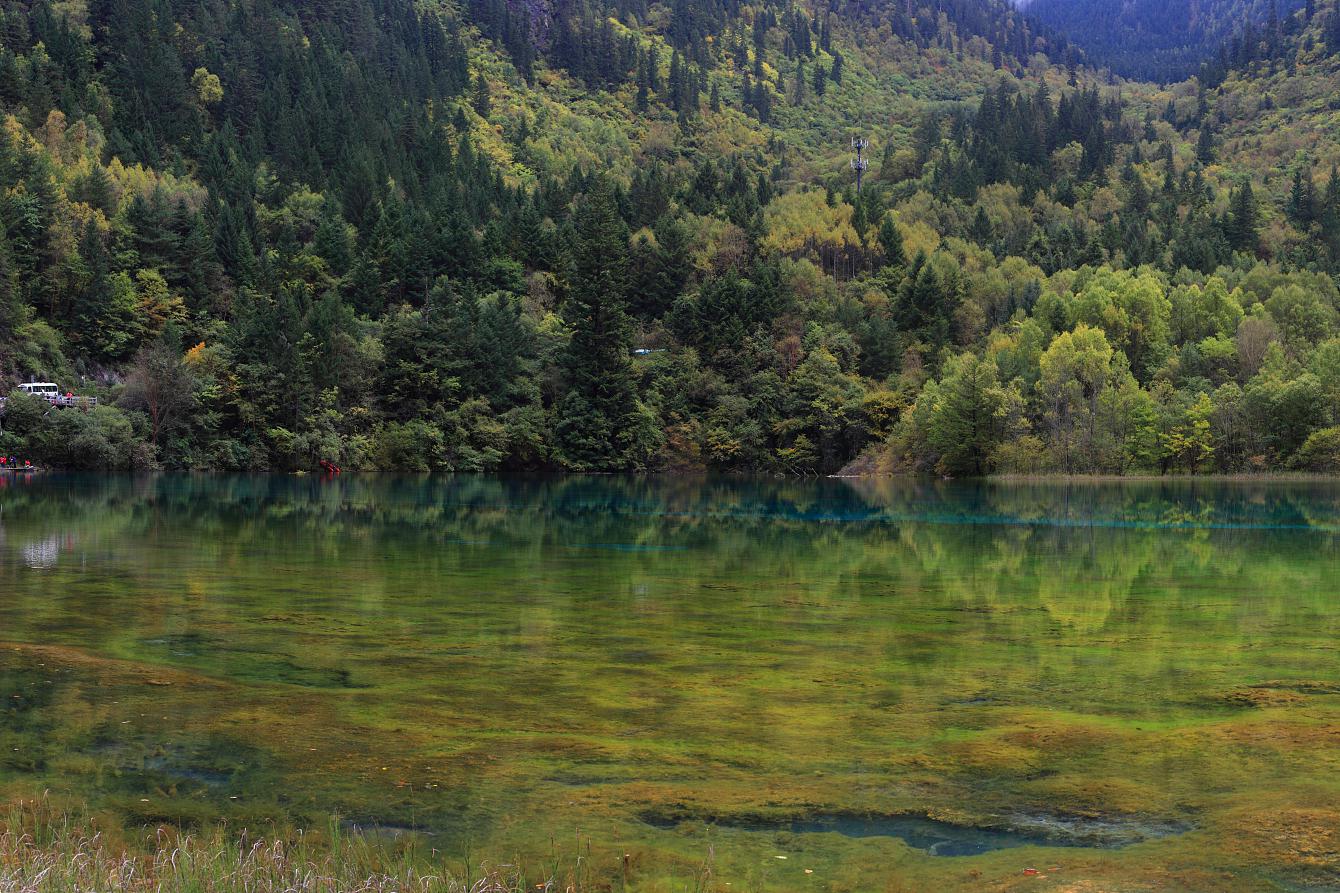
(1006, 477)
(1097, 477)
(1233, 477)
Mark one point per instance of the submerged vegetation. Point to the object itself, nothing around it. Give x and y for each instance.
(933, 684)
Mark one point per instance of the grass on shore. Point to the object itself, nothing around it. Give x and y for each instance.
(44, 850)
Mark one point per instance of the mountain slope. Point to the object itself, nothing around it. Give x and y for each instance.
(1157, 39)
(415, 236)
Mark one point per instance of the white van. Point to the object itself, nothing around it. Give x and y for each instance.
(45, 389)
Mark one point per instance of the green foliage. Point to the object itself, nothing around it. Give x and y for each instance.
(1154, 39)
(1189, 442)
(360, 233)
(1320, 452)
(966, 416)
(409, 446)
(100, 439)
(597, 415)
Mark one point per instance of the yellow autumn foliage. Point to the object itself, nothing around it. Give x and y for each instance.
(804, 221)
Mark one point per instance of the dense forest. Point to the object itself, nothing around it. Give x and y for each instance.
(413, 236)
(1155, 39)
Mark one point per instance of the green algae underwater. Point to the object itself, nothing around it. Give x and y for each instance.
(802, 685)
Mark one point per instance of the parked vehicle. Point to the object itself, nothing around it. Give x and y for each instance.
(51, 392)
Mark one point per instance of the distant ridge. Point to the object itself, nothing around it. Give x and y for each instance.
(1153, 39)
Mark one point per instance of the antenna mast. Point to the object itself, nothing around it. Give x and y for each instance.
(859, 144)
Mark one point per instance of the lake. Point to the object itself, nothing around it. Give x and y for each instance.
(801, 685)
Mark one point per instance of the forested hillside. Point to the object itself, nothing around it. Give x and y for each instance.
(1161, 40)
(412, 235)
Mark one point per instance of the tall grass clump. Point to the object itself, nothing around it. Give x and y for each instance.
(44, 850)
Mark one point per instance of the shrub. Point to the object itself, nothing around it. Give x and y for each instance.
(98, 439)
(1320, 452)
(409, 446)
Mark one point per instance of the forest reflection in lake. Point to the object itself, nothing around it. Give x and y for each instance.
(888, 682)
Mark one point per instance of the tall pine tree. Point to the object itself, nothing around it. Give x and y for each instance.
(1240, 228)
(597, 415)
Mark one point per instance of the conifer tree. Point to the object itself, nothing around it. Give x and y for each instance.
(675, 85)
(201, 274)
(96, 190)
(1300, 197)
(1205, 145)
(11, 299)
(596, 418)
(1240, 228)
(763, 101)
(480, 99)
(982, 232)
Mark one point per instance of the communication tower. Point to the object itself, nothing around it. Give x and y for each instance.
(859, 164)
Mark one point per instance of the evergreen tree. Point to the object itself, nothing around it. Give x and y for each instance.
(480, 99)
(1240, 227)
(642, 101)
(232, 245)
(1205, 145)
(675, 84)
(96, 190)
(202, 277)
(763, 101)
(597, 416)
(891, 243)
(1301, 197)
(965, 424)
(152, 224)
(11, 298)
(104, 310)
(925, 305)
(982, 232)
